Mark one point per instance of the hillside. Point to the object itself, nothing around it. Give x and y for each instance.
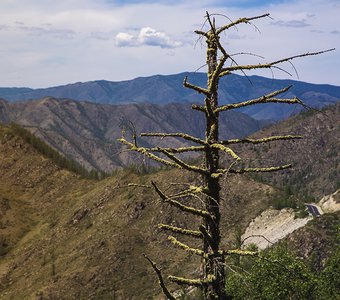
(88, 132)
(66, 237)
(63, 237)
(164, 89)
(315, 158)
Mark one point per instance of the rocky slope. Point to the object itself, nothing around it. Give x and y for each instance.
(273, 225)
(330, 203)
(88, 132)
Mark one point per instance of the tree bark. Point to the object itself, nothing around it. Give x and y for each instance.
(213, 262)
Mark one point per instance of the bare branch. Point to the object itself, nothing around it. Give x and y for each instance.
(294, 100)
(264, 99)
(227, 70)
(177, 150)
(263, 140)
(201, 33)
(192, 282)
(181, 135)
(126, 124)
(199, 68)
(282, 70)
(239, 252)
(176, 162)
(226, 150)
(239, 21)
(196, 88)
(185, 281)
(269, 169)
(185, 247)
(188, 209)
(257, 235)
(192, 233)
(185, 165)
(146, 152)
(222, 15)
(221, 172)
(247, 53)
(198, 107)
(295, 70)
(190, 190)
(216, 74)
(160, 279)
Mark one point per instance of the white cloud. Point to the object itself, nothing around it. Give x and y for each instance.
(124, 39)
(151, 37)
(147, 36)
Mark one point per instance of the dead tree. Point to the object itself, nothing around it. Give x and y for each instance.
(219, 64)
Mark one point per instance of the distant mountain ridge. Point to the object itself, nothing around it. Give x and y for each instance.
(164, 89)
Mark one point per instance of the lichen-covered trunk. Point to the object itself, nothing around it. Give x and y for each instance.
(213, 262)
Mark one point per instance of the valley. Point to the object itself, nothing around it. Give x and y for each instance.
(64, 236)
(85, 238)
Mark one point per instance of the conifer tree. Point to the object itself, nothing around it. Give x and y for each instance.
(219, 64)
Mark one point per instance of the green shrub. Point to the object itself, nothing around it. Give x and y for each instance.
(277, 274)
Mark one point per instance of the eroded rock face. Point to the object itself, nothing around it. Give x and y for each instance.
(271, 226)
(330, 203)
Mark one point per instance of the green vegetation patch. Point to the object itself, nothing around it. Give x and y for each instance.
(49, 152)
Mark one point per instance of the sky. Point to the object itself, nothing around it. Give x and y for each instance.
(46, 43)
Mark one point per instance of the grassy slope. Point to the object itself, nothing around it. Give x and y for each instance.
(71, 238)
(63, 237)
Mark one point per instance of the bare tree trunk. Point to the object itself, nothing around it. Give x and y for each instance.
(212, 280)
(213, 264)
